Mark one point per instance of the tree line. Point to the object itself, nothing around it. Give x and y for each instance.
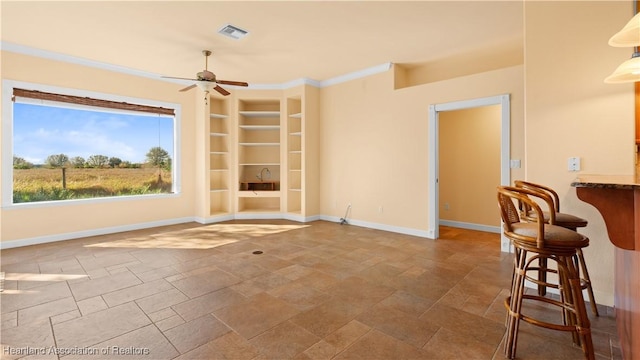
(155, 157)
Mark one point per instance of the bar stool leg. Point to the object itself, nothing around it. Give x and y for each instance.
(542, 276)
(582, 319)
(587, 281)
(514, 306)
(566, 270)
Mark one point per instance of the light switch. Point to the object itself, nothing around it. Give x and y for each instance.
(514, 164)
(573, 164)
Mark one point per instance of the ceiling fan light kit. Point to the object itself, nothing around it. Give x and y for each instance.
(207, 80)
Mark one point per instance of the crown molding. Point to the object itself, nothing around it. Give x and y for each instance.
(26, 50)
(357, 74)
(50, 55)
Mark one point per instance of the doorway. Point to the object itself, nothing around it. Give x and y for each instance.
(434, 156)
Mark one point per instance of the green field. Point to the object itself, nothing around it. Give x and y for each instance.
(41, 184)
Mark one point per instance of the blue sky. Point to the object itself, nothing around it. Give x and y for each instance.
(40, 131)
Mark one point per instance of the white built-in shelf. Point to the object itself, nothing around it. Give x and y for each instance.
(295, 170)
(258, 193)
(260, 113)
(259, 144)
(259, 164)
(295, 152)
(298, 133)
(297, 115)
(218, 190)
(219, 152)
(219, 169)
(218, 116)
(219, 134)
(295, 189)
(260, 127)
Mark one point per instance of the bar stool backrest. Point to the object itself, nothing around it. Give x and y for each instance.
(507, 195)
(543, 189)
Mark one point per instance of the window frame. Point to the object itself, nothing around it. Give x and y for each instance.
(7, 143)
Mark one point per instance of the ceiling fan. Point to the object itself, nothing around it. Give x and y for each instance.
(207, 81)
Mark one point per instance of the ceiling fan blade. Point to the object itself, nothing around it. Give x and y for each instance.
(221, 90)
(178, 78)
(236, 83)
(188, 87)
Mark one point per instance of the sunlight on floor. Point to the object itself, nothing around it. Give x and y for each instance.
(254, 229)
(27, 277)
(204, 237)
(16, 292)
(43, 277)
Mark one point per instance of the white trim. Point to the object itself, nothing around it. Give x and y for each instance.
(300, 218)
(302, 81)
(471, 226)
(356, 74)
(214, 219)
(6, 182)
(254, 216)
(433, 185)
(210, 220)
(505, 152)
(86, 233)
(26, 50)
(258, 216)
(377, 226)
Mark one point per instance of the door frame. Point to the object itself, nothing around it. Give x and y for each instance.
(434, 162)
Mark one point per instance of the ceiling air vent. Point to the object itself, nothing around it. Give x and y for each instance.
(233, 32)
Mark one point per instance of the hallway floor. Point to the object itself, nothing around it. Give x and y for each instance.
(270, 290)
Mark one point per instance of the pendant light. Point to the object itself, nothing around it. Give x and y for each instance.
(628, 71)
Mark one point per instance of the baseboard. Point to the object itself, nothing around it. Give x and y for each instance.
(210, 220)
(471, 226)
(377, 226)
(95, 232)
(300, 218)
(258, 216)
(214, 219)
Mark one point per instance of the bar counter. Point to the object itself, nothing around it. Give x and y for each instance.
(617, 198)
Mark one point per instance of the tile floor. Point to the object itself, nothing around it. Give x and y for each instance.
(317, 291)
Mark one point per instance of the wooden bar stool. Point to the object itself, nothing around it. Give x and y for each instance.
(534, 241)
(565, 220)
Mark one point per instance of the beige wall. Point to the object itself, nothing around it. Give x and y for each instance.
(373, 139)
(469, 165)
(374, 142)
(571, 112)
(34, 223)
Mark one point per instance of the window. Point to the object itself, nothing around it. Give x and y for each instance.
(67, 146)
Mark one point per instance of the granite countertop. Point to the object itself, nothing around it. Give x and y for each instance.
(607, 181)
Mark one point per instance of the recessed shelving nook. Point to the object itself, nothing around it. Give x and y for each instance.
(259, 150)
(219, 158)
(294, 155)
(259, 155)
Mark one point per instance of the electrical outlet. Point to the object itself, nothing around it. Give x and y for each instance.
(446, 206)
(573, 164)
(380, 209)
